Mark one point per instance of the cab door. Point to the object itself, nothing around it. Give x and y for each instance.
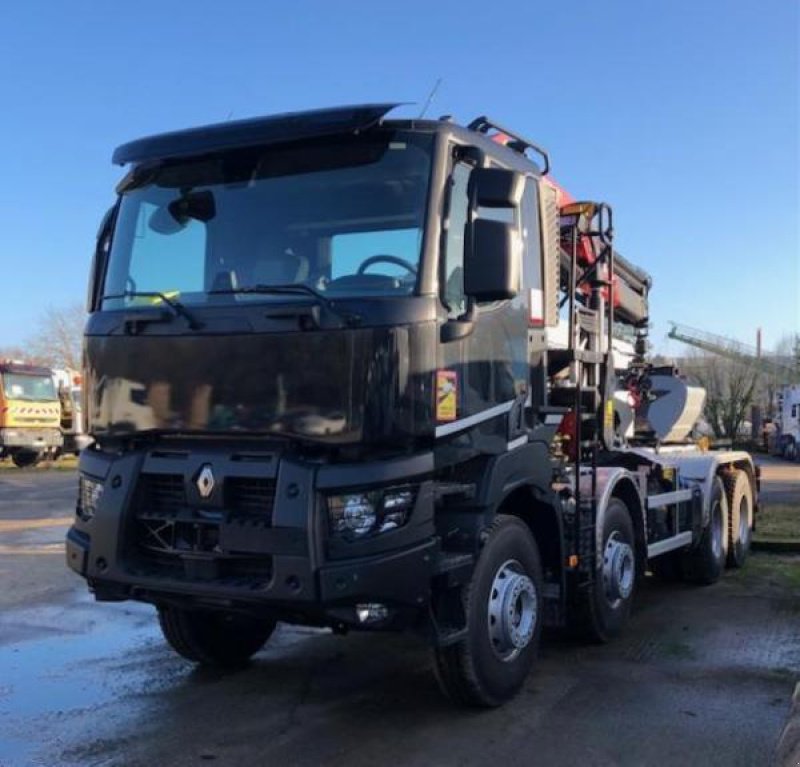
(482, 378)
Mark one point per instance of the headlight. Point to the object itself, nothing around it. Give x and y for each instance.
(89, 492)
(359, 515)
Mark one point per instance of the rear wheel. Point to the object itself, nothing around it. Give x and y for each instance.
(704, 563)
(213, 638)
(503, 609)
(25, 458)
(608, 606)
(740, 518)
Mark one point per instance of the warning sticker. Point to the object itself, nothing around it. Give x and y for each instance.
(446, 395)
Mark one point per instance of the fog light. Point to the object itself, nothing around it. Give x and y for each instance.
(89, 494)
(371, 612)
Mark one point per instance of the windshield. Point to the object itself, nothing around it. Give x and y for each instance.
(343, 217)
(29, 387)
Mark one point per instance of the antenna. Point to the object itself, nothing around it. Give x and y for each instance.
(430, 98)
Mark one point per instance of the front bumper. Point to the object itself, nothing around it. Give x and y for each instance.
(30, 438)
(283, 564)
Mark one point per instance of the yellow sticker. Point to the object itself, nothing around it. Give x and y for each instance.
(609, 419)
(446, 395)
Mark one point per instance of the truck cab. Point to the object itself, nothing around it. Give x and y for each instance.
(30, 413)
(788, 422)
(325, 387)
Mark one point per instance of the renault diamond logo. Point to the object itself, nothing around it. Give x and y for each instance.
(205, 481)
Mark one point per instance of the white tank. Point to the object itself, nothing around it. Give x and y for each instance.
(675, 409)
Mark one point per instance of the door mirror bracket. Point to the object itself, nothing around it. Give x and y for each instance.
(460, 327)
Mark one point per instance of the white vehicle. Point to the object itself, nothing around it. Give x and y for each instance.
(787, 420)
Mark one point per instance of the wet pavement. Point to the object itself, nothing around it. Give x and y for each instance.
(702, 676)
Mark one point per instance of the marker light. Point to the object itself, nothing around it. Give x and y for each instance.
(89, 493)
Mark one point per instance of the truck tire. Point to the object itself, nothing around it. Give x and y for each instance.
(740, 516)
(605, 609)
(23, 459)
(213, 638)
(705, 562)
(504, 613)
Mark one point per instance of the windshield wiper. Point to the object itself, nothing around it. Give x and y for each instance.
(291, 289)
(178, 309)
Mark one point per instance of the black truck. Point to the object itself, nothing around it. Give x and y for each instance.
(357, 372)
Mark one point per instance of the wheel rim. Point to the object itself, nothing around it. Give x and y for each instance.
(618, 569)
(716, 531)
(513, 611)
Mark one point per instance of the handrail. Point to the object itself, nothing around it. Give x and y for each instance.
(483, 124)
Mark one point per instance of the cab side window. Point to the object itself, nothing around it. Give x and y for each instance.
(531, 253)
(452, 273)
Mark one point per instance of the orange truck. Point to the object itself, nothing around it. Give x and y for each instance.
(30, 413)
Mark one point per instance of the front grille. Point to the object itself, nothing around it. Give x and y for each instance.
(161, 493)
(169, 534)
(250, 497)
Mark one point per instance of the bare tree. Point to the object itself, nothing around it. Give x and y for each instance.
(730, 386)
(787, 351)
(19, 353)
(57, 341)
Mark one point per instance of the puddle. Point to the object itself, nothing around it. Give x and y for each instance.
(46, 683)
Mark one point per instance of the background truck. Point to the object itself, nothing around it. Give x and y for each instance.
(375, 389)
(787, 422)
(30, 413)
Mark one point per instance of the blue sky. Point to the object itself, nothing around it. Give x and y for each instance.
(682, 114)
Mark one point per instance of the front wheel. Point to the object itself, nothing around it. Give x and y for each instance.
(213, 638)
(23, 459)
(504, 612)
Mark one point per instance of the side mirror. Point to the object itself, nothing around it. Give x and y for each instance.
(492, 262)
(496, 188)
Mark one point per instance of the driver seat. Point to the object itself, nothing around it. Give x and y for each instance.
(284, 268)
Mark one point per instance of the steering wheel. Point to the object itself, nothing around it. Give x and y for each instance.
(396, 260)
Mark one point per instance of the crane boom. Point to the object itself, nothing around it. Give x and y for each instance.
(730, 349)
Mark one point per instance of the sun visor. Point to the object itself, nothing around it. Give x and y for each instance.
(253, 132)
